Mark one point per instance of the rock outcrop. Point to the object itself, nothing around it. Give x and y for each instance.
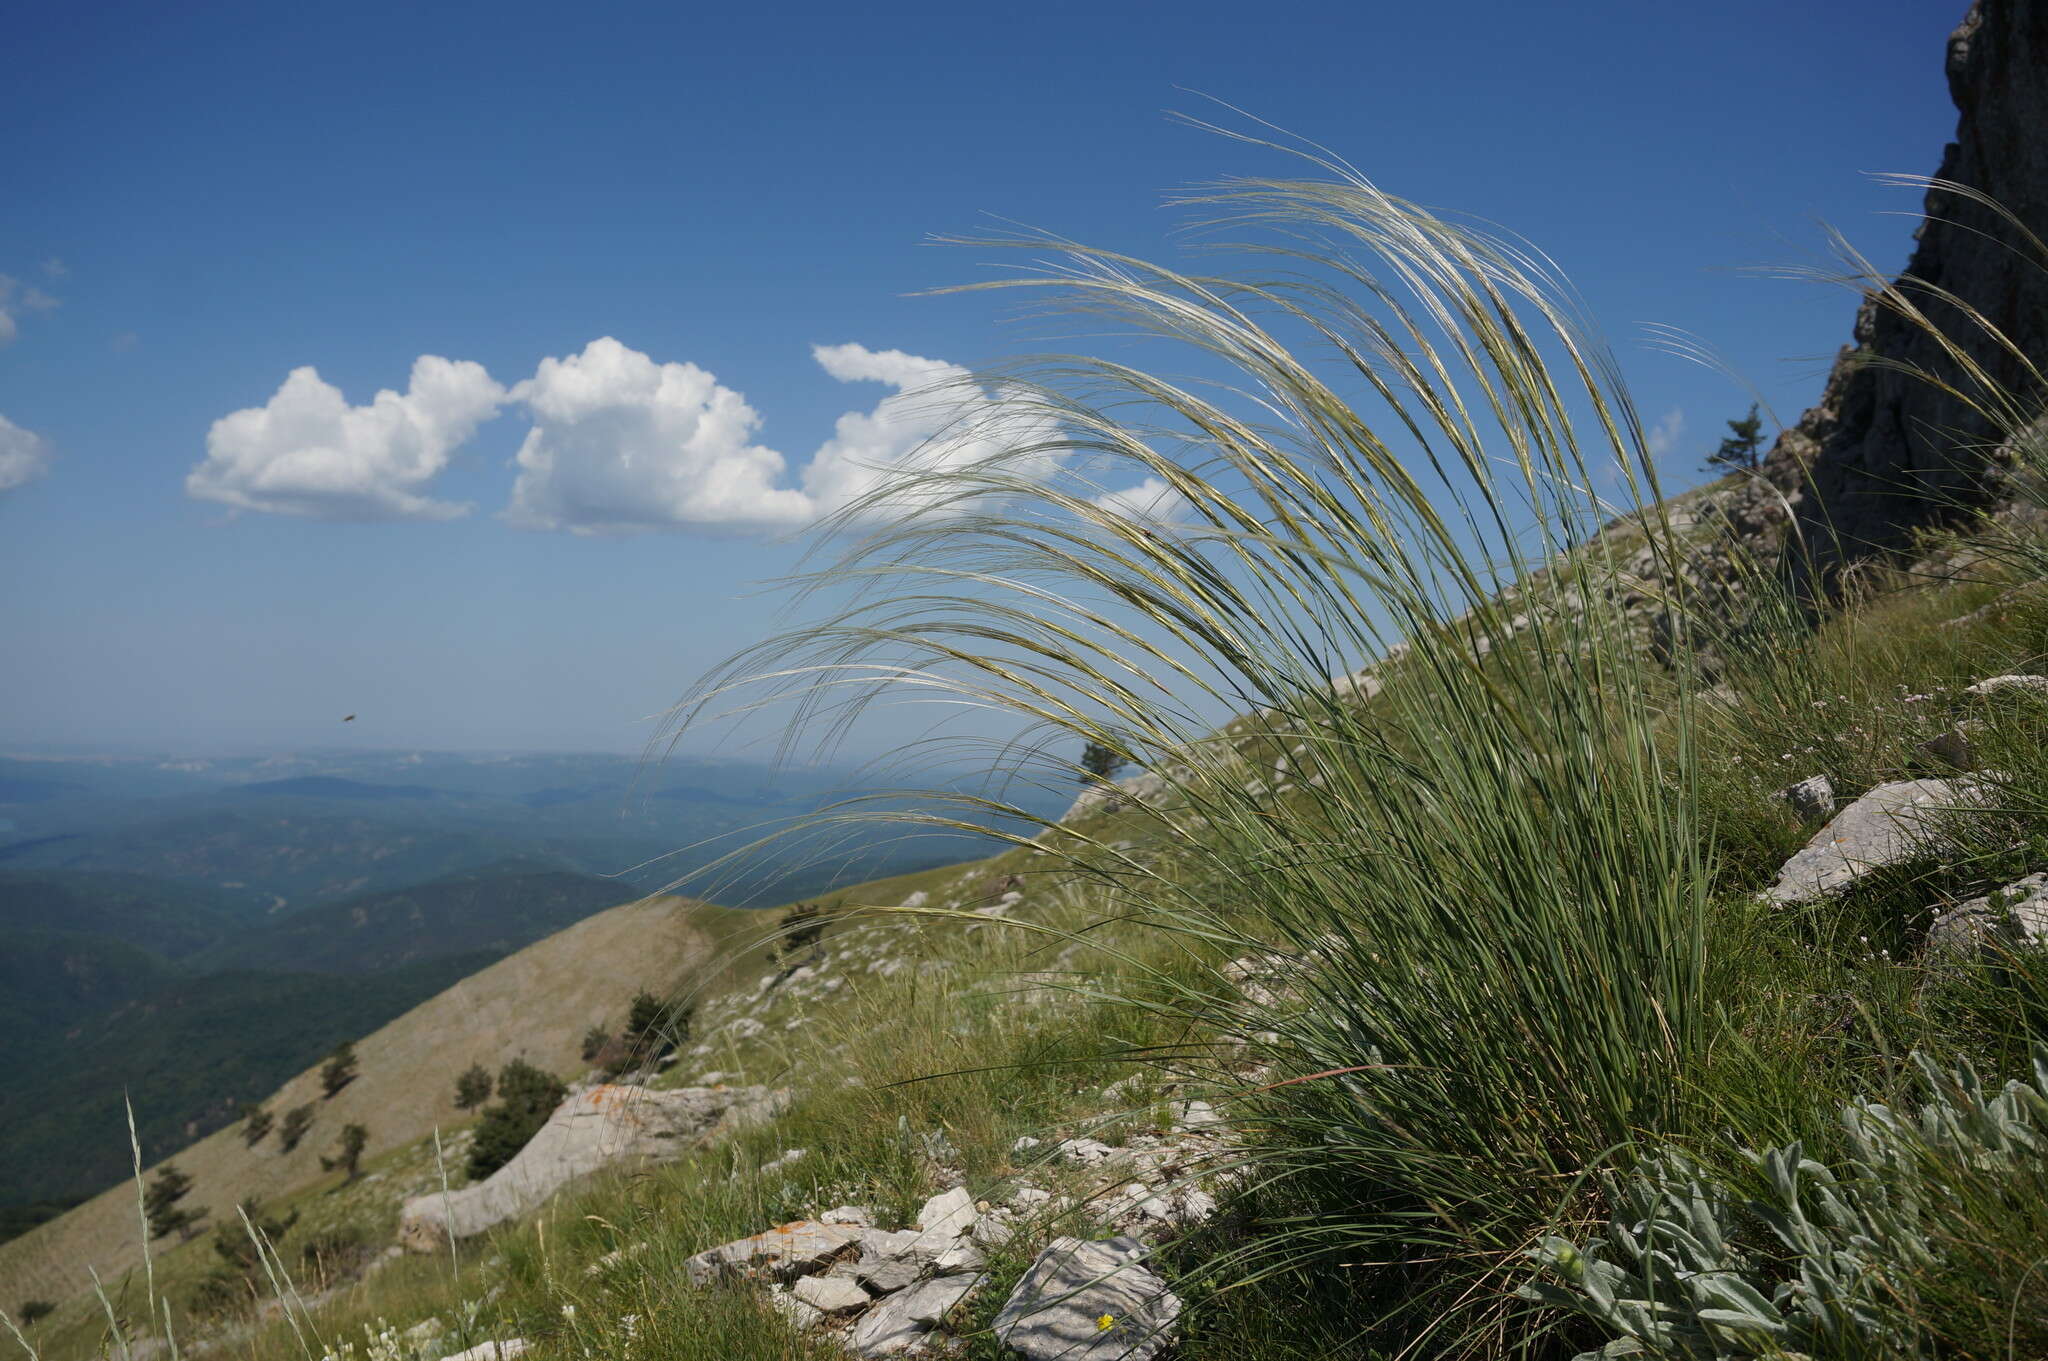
(1089, 1302)
(1891, 825)
(1883, 454)
(601, 1127)
(2014, 917)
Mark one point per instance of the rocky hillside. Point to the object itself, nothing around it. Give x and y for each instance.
(1884, 454)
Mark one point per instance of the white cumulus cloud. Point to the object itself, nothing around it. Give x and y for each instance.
(308, 452)
(1151, 500)
(621, 443)
(15, 299)
(1665, 434)
(24, 455)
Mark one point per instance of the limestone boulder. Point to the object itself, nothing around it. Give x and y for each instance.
(1084, 1301)
(1891, 825)
(904, 1322)
(785, 1251)
(613, 1125)
(1990, 686)
(2013, 917)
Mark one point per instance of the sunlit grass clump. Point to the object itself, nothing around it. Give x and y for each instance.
(1479, 898)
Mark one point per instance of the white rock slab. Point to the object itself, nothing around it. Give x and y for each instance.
(2009, 685)
(600, 1127)
(1892, 824)
(830, 1294)
(786, 1250)
(904, 1322)
(492, 1351)
(1089, 1302)
(1976, 927)
(944, 1219)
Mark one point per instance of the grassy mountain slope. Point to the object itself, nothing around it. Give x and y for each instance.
(536, 1003)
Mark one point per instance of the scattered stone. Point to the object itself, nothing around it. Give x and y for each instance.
(424, 1332)
(903, 1323)
(800, 1314)
(1087, 1152)
(990, 1231)
(787, 1250)
(1892, 824)
(887, 1275)
(1085, 1301)
(1952, 749)
(1812, 800)
(860, 1216)
(830, 1294)
(614, 1257)
(492, 1351)
(1976, 928)
(1158, 1208)
(601, 1127)
(962, 1256)
(945, 1217)
(1025, 1144)
(784, 1159)
(2009, 685)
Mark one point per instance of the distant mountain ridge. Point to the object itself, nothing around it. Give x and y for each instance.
(497, 910)
(335, 787)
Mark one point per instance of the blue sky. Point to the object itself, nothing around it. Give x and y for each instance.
(201, 201)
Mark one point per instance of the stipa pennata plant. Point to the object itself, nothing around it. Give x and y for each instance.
(1488, 851)
(1822, 1261)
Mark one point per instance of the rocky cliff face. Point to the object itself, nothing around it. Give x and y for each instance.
(1881, 451)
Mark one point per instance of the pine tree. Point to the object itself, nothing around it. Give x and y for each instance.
(653, 1026)
(354, 1138)
(339, 1070)
(594, 1041)
(1744, 445)
(160, 1203)
(256, 1122)
(297, 1121)
(527, 1096)
(472, 1088)
(643, 1016)
(1100, 761)
(801, 927)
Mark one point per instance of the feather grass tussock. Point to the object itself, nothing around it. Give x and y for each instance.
(1486, 885)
